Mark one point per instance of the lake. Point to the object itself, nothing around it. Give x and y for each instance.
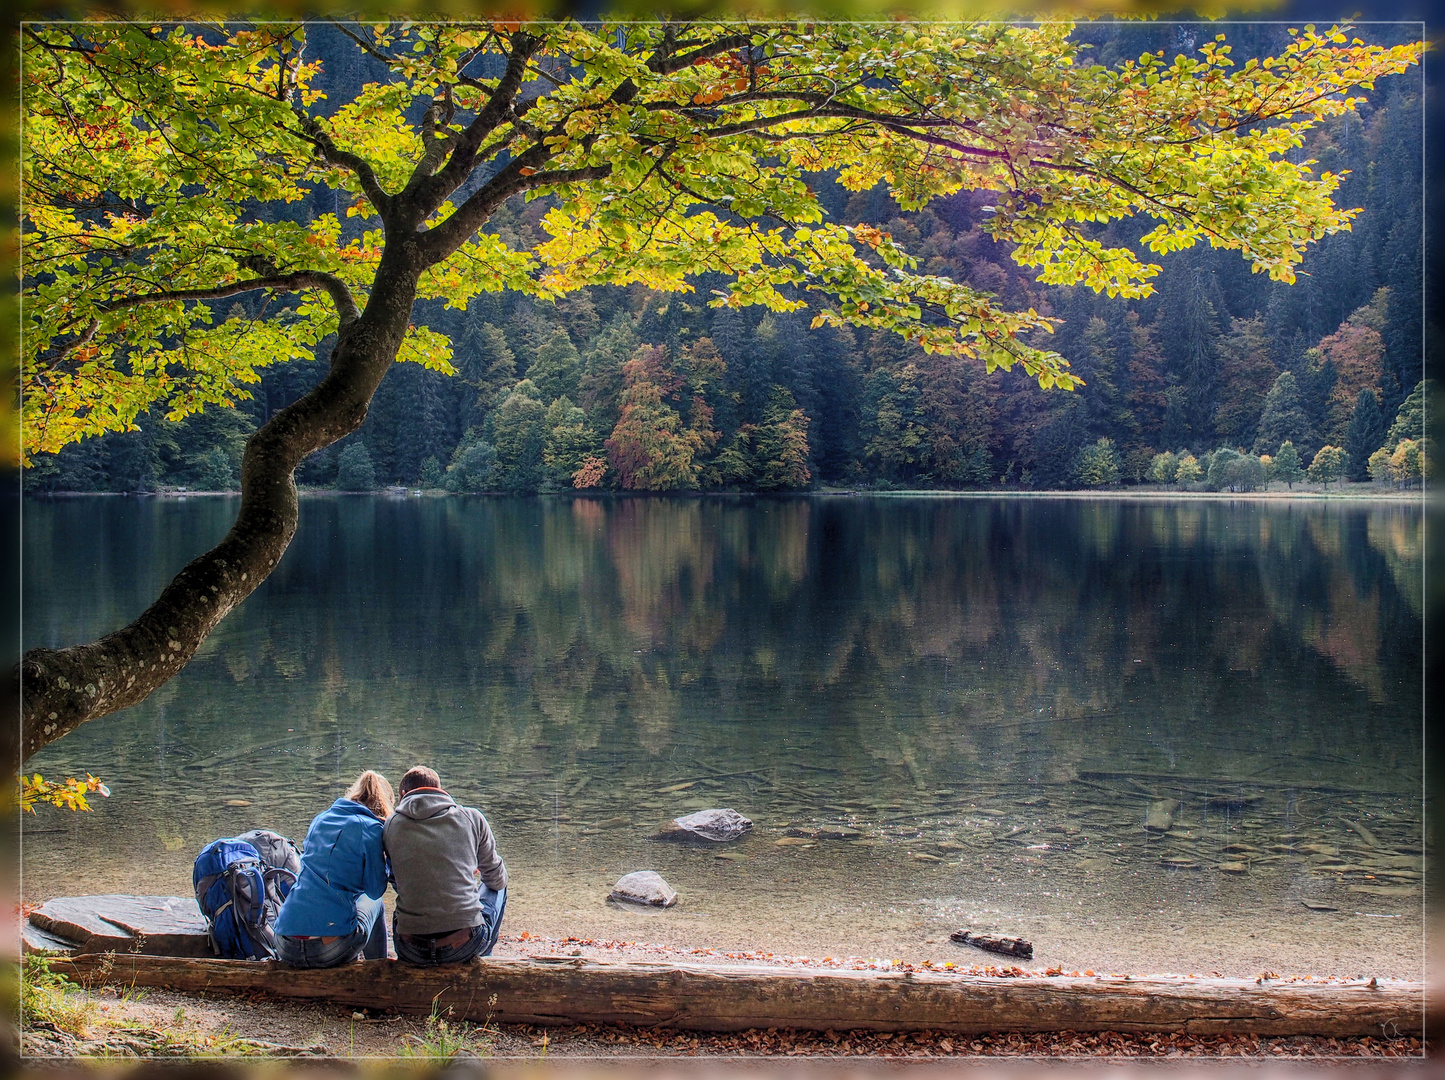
(988, 697)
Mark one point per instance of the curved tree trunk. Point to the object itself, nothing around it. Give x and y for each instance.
(63, 688)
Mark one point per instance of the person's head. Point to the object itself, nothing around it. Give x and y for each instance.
(372, 791)
(419, 776)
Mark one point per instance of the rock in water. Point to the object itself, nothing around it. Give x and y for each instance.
(644, 887)
(717, 826)
(1161, 815)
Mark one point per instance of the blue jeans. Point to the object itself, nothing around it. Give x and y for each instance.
(483, 939)
(368, 939)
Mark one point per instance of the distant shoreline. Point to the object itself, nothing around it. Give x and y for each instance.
(1351, 494)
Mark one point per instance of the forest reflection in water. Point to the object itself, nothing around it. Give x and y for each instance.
(984, 697)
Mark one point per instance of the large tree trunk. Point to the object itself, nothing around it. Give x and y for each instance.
(63, 688)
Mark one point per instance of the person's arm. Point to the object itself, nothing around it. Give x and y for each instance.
(489, 861)
(373, 864)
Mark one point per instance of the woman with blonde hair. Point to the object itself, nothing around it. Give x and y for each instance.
(335, 913)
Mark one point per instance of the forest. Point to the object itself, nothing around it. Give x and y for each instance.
(1220, 379)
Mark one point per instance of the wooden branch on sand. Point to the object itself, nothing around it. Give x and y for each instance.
(571, 990)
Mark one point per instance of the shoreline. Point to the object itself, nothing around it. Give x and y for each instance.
(1139, 494)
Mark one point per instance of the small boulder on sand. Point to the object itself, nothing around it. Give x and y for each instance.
(644, 887)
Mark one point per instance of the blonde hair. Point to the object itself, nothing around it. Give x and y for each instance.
(372, 790)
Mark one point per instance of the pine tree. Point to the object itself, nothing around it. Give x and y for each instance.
(1246, 374)
(432, 477)
(557, 370)
(1283, 418)
(1098, 464)
(1363, 437)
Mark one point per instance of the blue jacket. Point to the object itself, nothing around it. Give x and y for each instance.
(342, 859)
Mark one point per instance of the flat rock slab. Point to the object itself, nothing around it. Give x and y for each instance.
(713, 826)
(644, 887)
(155, 925)
(35, 940)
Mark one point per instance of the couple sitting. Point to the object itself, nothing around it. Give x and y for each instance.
(451, 885)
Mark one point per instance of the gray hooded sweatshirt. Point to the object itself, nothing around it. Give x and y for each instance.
(436, 849)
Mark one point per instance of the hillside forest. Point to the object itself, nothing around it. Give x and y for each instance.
(1220, 379)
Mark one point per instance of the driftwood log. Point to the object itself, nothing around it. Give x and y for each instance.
(1007, 946)
(572, 990)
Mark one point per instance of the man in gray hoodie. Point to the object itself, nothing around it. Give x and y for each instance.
(451, 885)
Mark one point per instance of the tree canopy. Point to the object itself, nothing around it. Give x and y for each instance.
(160, 163)
(169, 168)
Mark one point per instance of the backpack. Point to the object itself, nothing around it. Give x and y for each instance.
(240, 890)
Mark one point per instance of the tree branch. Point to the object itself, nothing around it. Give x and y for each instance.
(340, 294)
(312, 132)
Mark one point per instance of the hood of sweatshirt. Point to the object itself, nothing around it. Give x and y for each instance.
(420, 805)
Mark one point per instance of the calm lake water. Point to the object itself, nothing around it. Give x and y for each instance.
(987, 695)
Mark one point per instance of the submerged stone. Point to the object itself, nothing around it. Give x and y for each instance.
(716, 826)
(644, 887)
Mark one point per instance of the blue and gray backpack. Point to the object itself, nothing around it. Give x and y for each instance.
(240, 884)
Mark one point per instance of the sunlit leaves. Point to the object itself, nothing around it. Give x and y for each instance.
(67, 794)
(177, 160)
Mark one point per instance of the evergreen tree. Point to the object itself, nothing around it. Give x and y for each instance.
(557, 370)
(515, 430)
(780, 447)
(1410, 419)
(355, 471)
(1098, 464)
(1366, 431)
(1283, 418)
(569, 441)
(1246, 374)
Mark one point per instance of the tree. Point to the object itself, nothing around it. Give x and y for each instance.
(1163, 467)
(1246, 375)
(650, 449)
(1235, 470)
(1284, 418)
(473, 468)
(569, 442)
(1407, 463)
(780, 444)
(186, 160)
(557, 369)
(1287, 465)
(1329, 464)
(516, 429)
(354, 469)
(1098, 464)
(1364, 435)
(1410, 419)
(1188, 470)
(1380, 468)
(431, 477)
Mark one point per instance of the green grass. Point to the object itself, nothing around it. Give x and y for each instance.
(442, 1039)
(49, 998)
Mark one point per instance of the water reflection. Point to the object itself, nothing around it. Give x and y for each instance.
(991, 691)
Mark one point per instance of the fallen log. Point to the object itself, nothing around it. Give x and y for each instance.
(571, 990)
(1008, 946)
